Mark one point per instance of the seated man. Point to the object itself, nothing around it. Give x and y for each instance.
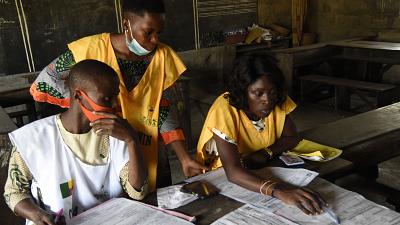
(78, 159)
(248, 125)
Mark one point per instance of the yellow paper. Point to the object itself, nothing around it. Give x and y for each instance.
(314, 151)
(253, 35)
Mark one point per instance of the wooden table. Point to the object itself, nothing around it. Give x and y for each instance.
(14, 90)
(292, 58)
(360, 49)
(211, 209)
(382, 55)
(366, 139)
(6, 124)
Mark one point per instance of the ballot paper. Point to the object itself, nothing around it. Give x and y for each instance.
(298, 177)
(171, 197)
(249, 214)
(350, 207)
(122, 211)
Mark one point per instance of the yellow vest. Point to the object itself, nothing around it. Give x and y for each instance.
(141, 105)
(236, 125)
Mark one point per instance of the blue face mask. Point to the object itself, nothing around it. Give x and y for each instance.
(133, 45)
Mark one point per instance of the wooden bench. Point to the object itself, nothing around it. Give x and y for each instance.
(14, 90)
(384, 93)
(366, 139)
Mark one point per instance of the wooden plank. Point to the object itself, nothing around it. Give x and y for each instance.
(14, 89)
(354, 130)
(363, 85)
(378, 45)
(7, 125)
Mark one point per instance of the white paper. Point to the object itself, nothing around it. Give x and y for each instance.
(122, 211)
(249, 214)
(298, 177)
(350, 207)
(171, 197)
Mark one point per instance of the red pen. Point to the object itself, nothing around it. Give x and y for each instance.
(58, 215)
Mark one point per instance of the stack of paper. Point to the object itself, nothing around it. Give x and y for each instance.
(122, 211)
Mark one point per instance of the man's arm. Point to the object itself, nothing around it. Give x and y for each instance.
(17, 192)
(50, 85)
(173, 135)
(137, 194)
(120, 128)
(288, 140)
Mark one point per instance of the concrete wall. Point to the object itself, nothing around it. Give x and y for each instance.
(275, 11)
(337, 19)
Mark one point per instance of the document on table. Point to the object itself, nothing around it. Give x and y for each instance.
(298, 177)
(122, 211)
(249, 214)
(171, 197)
(350, 207)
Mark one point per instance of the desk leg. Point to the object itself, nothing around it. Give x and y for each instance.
(342, 98)
(370, 172)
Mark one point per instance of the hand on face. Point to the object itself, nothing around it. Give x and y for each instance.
(114, 126)
(307, 200)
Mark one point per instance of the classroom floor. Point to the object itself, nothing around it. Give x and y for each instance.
(308, 116)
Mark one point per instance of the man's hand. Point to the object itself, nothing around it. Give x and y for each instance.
(29, 210)
(191, 168)
(42, 218)
(307, 200)
(114, 126)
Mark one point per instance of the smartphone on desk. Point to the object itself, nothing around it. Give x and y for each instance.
(201, 189)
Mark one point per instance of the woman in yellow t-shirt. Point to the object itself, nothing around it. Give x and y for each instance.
(248, 125)
(147, 70)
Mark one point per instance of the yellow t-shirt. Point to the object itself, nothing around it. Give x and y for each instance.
(237, 126)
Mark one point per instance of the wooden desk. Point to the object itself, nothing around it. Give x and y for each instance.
(14, 90)
(6, 124)
(356, 49)
(209, 210)
(381, 54)
(366, 139)
(292, 58)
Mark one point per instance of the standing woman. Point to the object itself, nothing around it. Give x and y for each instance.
(147, 70)
(249, 125)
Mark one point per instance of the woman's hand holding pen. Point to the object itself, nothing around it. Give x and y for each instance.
(307, 200)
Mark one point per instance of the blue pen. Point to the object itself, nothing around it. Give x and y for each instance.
(331, 215)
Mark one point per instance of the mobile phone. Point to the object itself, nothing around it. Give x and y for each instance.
(291, 160)
(201, 189)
